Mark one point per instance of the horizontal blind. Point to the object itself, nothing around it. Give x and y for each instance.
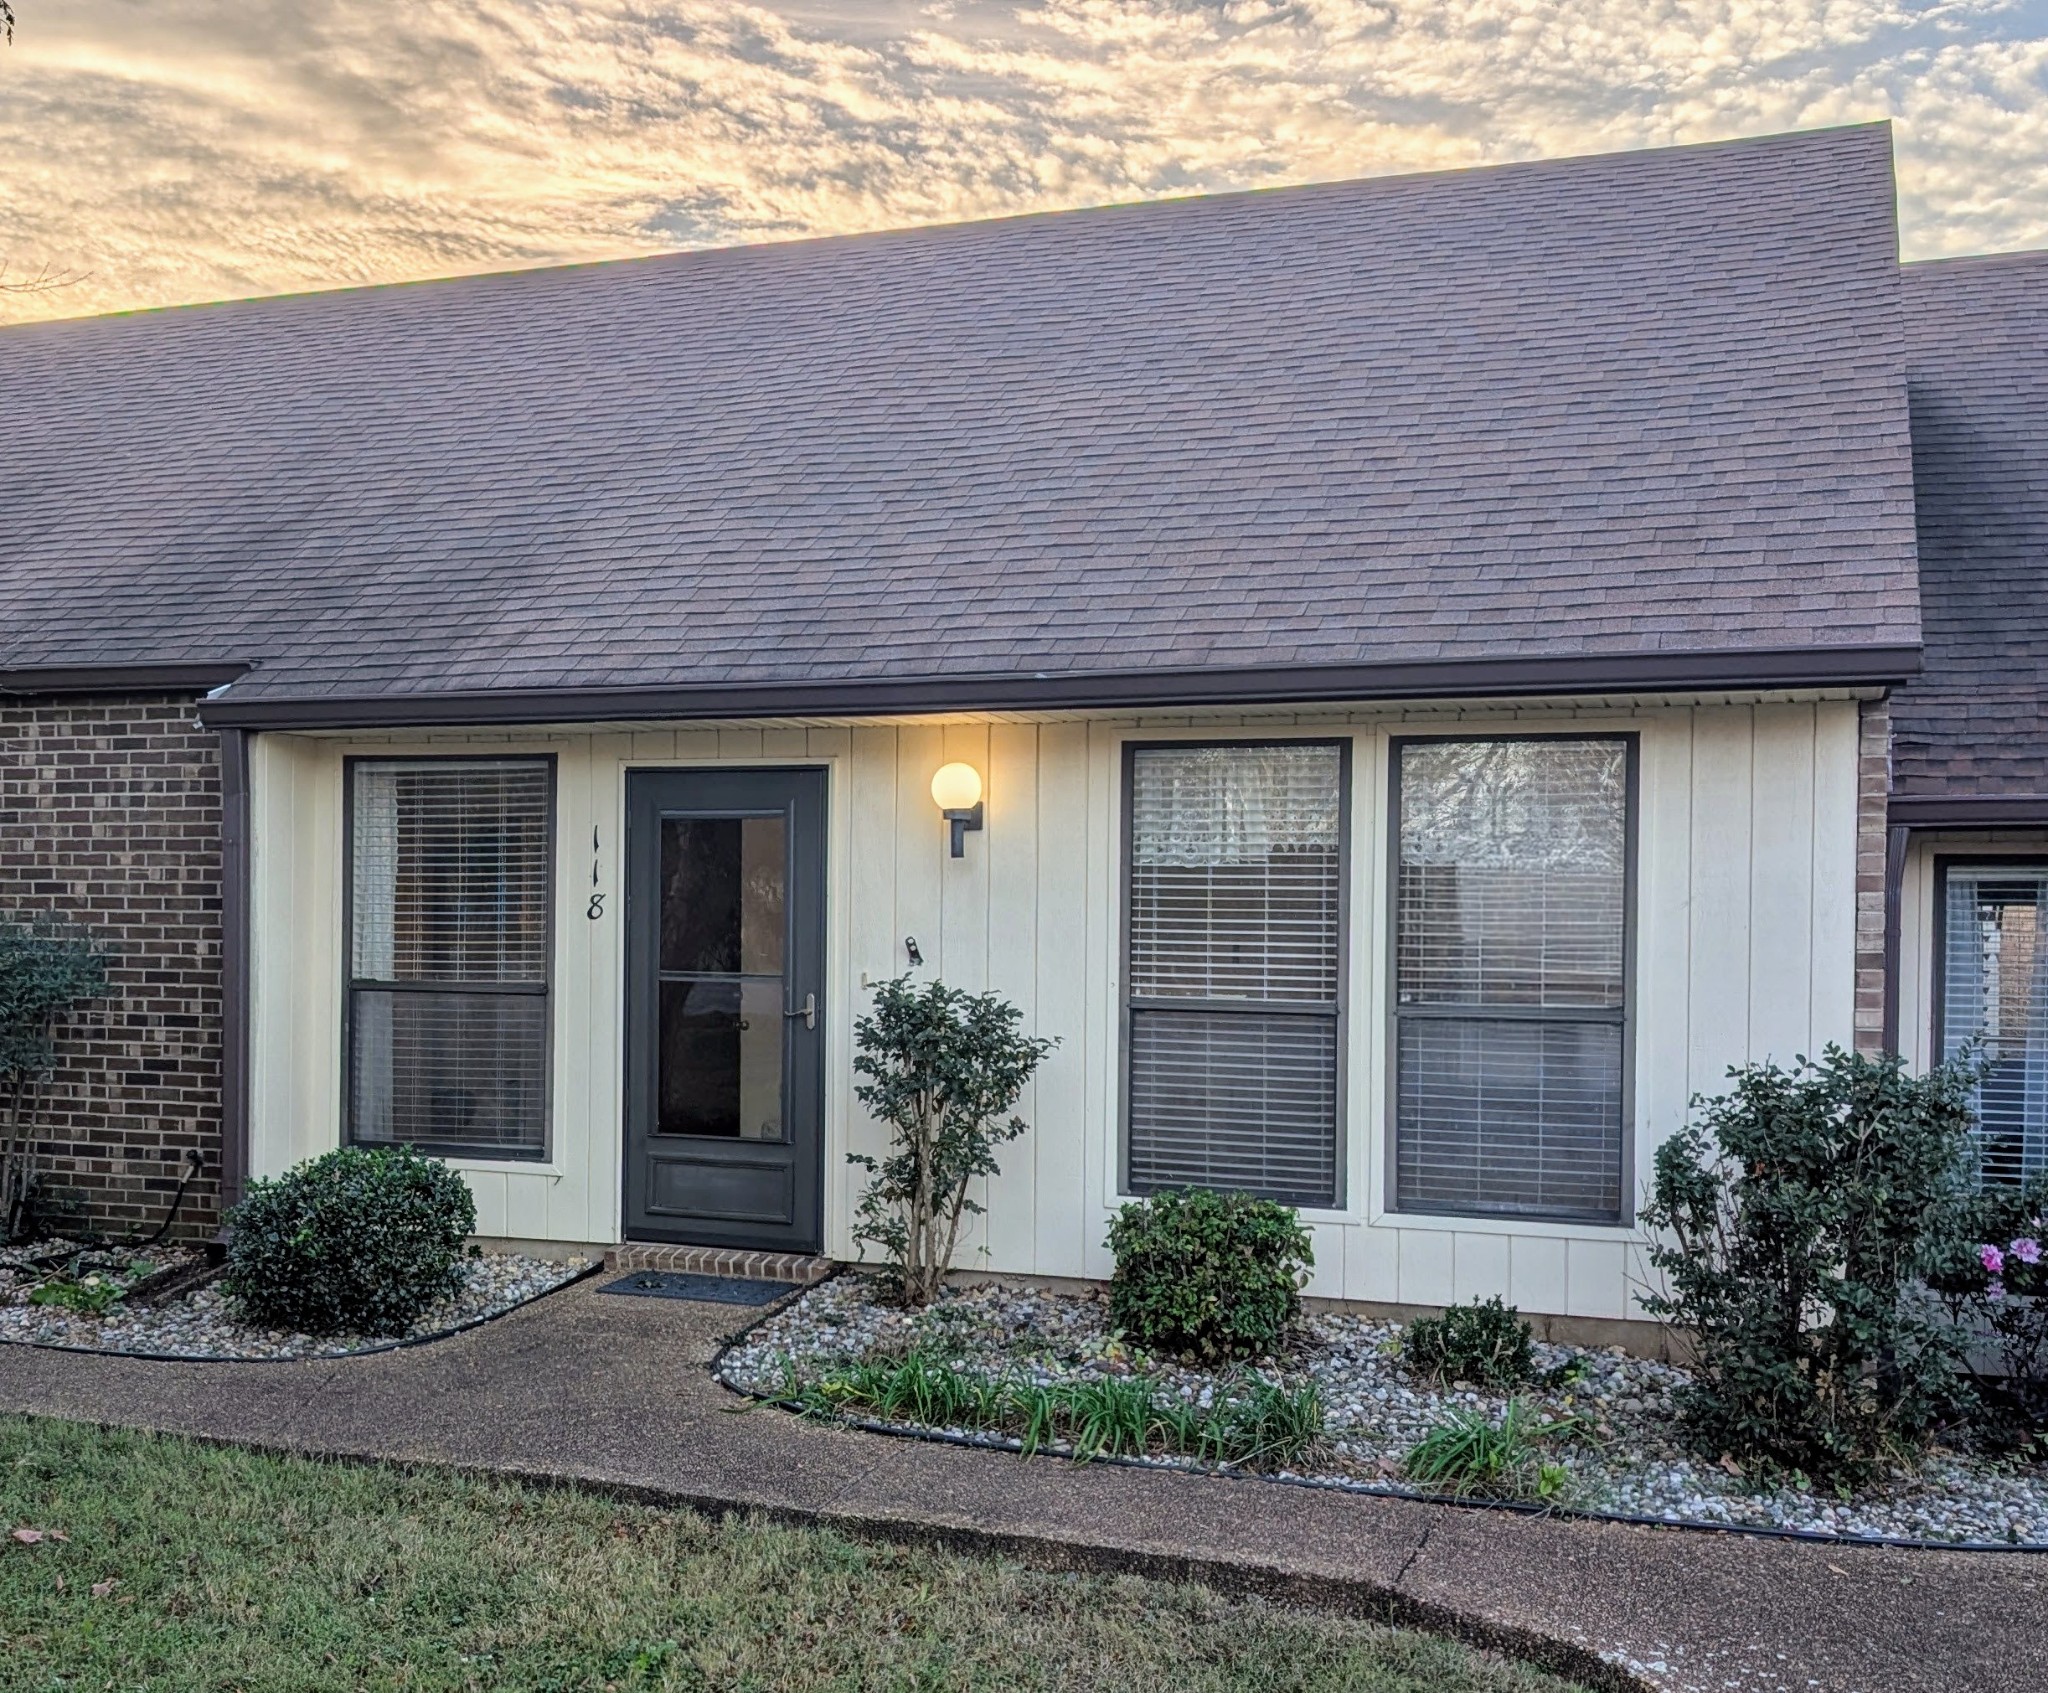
(450, 874)
(450, 879)
(449, 1069)
(1234, 938)
(1511, 925)
(1234, 1100)
(1995, 996)
(1509, 1117)
(1513, 864)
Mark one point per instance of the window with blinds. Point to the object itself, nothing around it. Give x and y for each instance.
(1994, 997)
(1511, 976)
(449, 877)
(1234, 968)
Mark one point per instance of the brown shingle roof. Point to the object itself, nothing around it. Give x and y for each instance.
(1644, 404)
(1976, 723)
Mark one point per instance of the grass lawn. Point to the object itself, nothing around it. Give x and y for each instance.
(187, 1567)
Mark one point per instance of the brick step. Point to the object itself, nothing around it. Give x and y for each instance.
(719, 1261)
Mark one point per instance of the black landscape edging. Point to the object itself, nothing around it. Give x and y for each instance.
(312, 1357)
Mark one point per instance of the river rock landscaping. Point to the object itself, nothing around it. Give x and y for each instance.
(1618, 1448)
(166, 1302)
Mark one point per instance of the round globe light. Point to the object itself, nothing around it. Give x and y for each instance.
(957, 787)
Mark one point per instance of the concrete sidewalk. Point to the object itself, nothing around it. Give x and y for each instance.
(597, 1388)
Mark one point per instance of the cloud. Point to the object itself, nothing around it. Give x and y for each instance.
(180, 150)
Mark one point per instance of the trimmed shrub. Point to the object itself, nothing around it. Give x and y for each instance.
(941, 1070)
(1207, 1275)
(1485, 1342)
(1801, 1214)
(360, 1240)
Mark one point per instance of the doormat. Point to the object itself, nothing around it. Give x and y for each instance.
(682, 1284)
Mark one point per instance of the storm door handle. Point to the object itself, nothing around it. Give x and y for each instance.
(808, 1011)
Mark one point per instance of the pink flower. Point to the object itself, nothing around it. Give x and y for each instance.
(1992, 1259)
(2027, 1250)
(1995, 1291)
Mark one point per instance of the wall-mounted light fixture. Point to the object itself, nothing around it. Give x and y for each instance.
(956, 790)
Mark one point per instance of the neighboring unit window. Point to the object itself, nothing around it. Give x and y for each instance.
(448, 975)
(1994, 993)
(1234, 969)
(1511, 977)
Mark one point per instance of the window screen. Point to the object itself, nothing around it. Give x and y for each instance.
(1994, 992)
(1511, 977)
(1234, 968)
(448, 954)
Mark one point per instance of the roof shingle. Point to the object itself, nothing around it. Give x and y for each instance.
(1643, 403)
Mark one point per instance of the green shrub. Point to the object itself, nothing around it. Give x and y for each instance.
(47, 969)
(942, 1068)
(1207, 1275)
(1994, 1281)
(1469, 1453)
(1800, 1213)
(360, 1240)
(1485, 1342)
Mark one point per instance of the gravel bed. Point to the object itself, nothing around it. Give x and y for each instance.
(200, 1324)
(1630, 1460)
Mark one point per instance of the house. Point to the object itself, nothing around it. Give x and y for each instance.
(1407, 680)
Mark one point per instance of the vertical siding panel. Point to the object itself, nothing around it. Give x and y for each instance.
(654, 745)
(785, 743)
(488, 1186)
(596, 1185)
(697, 746)
(828, 743)
(1718, 993)
(1011, 845)
(582, 997)
(1062, 1182)
(877, 941)
(1596, 1278)
(1781, 882)
(739, 743)
(1536, 1273)
(1831, 1011)
(1664, 922)
(1479, 1266)
(526, 1206)
(1326, 1275)
(1428, 1273)
(920, 848)
(964, 882)
(1372, 1264)
(1102, 971)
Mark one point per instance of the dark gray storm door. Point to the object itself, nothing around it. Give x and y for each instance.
(725, 1011)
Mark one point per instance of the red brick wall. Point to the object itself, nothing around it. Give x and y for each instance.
(110, 817)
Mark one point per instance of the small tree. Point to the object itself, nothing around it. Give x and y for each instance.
(1802, 1212)
(942, 1068)
(45, 970)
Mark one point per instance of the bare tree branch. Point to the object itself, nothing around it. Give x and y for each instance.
(41, 281)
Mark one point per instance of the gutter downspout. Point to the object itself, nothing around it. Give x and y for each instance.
(234, 969)
(1896, 839)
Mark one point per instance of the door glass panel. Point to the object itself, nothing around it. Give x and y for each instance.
(723, 882)
(721, 1059)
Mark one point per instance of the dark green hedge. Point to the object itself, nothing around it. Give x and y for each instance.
(360, 1240)
(1207, 1275)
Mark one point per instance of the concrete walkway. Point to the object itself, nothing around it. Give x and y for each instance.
(598, 1388)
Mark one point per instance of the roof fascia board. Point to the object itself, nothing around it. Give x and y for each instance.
(1968, 811)
(1806, 667)
(60, 679)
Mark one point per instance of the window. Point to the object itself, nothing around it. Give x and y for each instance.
(1511, 963)
(1234, 968)
(448, 954)
(1993, 990)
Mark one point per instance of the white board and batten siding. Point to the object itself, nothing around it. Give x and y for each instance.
(1745, 938)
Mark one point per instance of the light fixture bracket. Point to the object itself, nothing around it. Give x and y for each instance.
(962, 821)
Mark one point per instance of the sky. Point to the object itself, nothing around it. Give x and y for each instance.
(155, 152)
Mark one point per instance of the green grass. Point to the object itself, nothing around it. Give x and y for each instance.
(238, 1571)
(1253, 1423)
(1468, 1452)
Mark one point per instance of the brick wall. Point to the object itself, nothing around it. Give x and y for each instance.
(110, 817)
(1873, 792)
